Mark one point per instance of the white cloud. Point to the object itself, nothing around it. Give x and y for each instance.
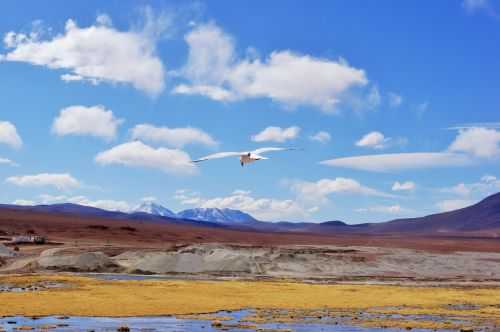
(472, 6)
(6, 161)
(321, 136)
(176, 137)
(490, 125)
(267, 209)
(97, 53)
(479, 142)
(187, 197)
(374, 139)
(459, 189)
(26, 202)
(395, 100)
(81, 120)
(149, 199)
(373, 98)
(488, 184)
(400, 161)
(211, 54)
(9, 135)
(277, 134)
(105, 204)
(62, 181)
(422, 108)
(242, 192)
(489, 179)
(403, 186)
(470, 145)
(138, 154)
(214, 70)
(377, 140)
(210, 91)
(386, 209)
(318, 191)
(453, 204)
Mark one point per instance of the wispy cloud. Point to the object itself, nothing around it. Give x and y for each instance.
(62, 181)
(320, 190)
(106, 204)
(395, 100)
(477, 6)
(401, 161)
(175, 137)
(490, 125)
(453, 204)
(321, 137)
(403, 186)
(386, 209)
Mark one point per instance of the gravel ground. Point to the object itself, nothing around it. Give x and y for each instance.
(301, 262)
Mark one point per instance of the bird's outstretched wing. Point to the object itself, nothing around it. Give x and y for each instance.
(218, 155)
(264, 150)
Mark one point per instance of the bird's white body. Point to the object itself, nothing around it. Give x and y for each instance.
(245, 157)
(250, 158)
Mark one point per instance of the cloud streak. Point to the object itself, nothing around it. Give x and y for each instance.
(175, 137)
(320, 190)
(61, 181)
(401, 161)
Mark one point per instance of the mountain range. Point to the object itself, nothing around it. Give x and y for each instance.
(482, 218)
(213, 215)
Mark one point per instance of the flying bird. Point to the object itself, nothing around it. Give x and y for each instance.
(246, 157)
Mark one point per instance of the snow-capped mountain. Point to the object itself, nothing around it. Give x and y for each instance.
(155, 209)
(222, 216)
(214, 215)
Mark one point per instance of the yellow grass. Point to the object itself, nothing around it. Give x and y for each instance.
(91, 297)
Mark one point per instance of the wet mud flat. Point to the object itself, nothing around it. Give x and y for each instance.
(237, 321)
(30, 287)
(192, 305)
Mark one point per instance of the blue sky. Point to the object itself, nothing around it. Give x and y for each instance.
(394, 105)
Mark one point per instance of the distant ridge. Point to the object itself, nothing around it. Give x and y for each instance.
(482, 218)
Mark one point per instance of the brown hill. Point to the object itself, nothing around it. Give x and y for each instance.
(482, 218)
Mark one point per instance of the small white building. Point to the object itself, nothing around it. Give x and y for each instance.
(36, 239)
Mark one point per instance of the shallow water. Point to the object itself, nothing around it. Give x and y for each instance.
(117, 276)
(164, 323)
